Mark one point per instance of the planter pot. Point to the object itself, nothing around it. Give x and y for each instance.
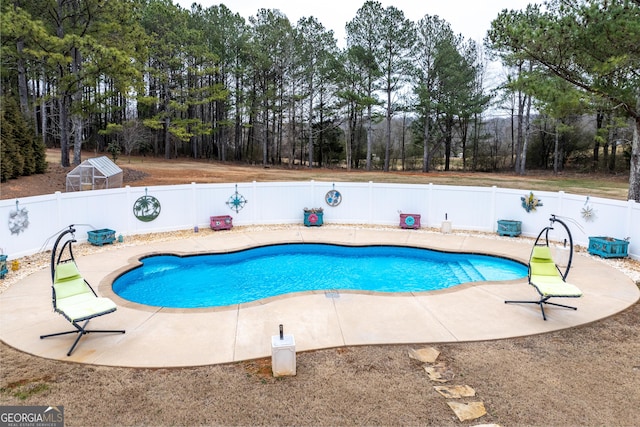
(222, 222)
(410, 221)
(101, 237)
(608, 247)
(3, 266)
(313, 218)
(507, 227)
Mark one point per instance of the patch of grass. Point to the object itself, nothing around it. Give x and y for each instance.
(24, 389)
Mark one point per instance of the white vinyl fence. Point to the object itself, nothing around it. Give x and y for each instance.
(32, 223)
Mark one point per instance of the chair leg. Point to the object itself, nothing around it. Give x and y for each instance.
(561, 305)
(81, 330)
(530, 302)
(58, 333)
(541, 303)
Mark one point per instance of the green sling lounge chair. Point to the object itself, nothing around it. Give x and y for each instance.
(74, 298)
(545, 276)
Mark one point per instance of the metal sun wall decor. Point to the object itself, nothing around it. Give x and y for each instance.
(18, 219)
(237, 201)
(333, 197)
(146, 208)
(530, 202)
(587, 211)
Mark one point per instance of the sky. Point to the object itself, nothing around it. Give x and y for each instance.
(471, 18)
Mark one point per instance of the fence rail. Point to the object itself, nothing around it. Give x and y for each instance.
(34, 221)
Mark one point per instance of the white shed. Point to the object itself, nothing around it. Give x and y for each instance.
(98, 173)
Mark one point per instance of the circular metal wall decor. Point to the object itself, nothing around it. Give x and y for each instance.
(237, 201)
(146, 208)
(333, 197)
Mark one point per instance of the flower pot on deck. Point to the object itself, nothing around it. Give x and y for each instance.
(507, 227)
(410, 221)
(313, 217)
(101, 237)
(608, 247)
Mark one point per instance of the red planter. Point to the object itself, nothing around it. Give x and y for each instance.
(222, 222)
(410, 221)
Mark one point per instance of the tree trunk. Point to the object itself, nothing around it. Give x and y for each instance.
(64, 131)
(425, 149)
(369, 138)
(634, 170)
(76, 117)
(518, 144)
(596, 143)
(23, 90)
(525, 138)
(165, 137)
(63, 99)
(513, 139)
(404, 135)
(43, 110)
(555, 149)
(464, 130)
(387, 145)
(310, 136)
(166, 122)
(476, 141)
(447, 142)
(350, 138)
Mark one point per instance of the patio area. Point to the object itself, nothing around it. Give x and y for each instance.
(160, 337)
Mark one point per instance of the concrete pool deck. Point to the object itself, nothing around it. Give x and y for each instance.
(161, 337)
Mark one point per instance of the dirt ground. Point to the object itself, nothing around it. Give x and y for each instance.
(588, 376)
(145, 171)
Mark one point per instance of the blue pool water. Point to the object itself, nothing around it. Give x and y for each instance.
(238, 277)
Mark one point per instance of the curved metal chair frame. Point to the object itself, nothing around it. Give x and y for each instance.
(544, 297)
(80, 322)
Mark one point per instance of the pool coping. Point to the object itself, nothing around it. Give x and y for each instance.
(160, 337)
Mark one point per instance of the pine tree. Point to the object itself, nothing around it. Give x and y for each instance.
(21, 153)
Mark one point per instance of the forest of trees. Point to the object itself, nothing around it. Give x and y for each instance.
(150, 77)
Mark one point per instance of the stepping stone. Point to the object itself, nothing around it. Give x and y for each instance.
(439, 373)
(455, 391)
(426, 355)
(468, 411)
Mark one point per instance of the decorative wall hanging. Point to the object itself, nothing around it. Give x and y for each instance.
(146, 208)
(18, 219)
(333, 197)
(587, 211)
(530, 202)
(236, 202)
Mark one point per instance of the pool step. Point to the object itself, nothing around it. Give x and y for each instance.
(466, 272)
(473, 272)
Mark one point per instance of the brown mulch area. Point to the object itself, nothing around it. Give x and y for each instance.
(589, 375)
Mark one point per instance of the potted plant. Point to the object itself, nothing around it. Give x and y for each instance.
(409, 220)
(608, 247)
(509, 227)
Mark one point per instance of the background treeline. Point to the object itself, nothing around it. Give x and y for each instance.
(149, 77)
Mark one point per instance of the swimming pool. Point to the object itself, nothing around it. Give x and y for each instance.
(223, 279)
